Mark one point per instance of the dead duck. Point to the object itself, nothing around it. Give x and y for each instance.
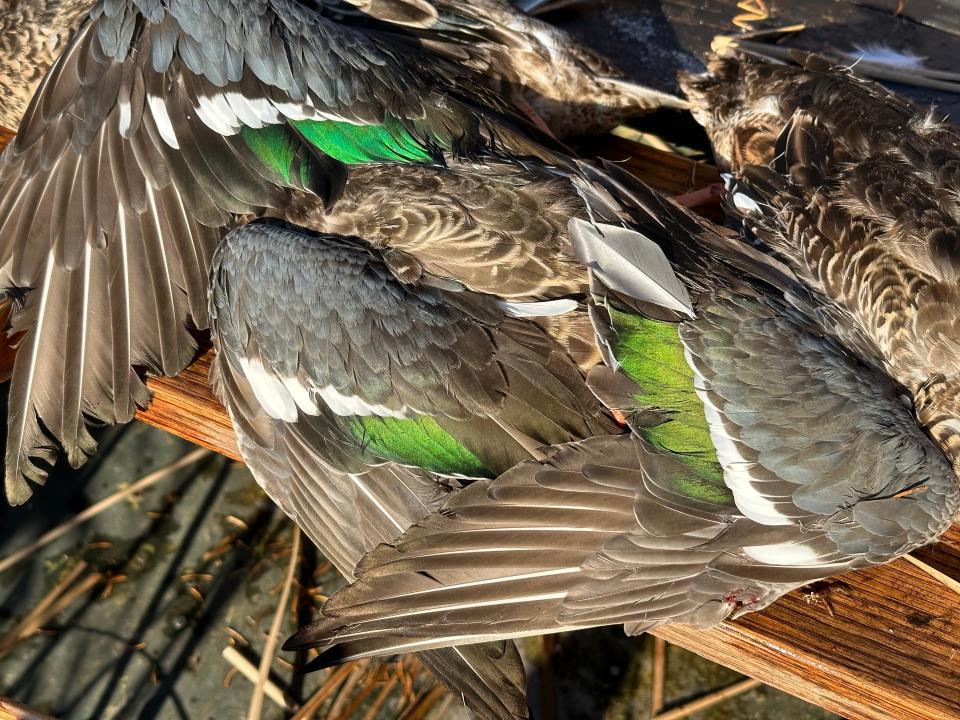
(852, 186)
(764, 454)
(193, 129)
(114, 212)
(574, 91)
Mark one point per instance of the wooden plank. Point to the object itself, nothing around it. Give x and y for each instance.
(186, 406)
(890, 650)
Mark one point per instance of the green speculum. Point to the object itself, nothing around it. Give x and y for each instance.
(418, 441)
(352, 144)
(652, 354)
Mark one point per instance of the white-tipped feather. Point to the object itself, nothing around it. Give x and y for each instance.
(301, 395)
(216, 114)
(630, 263)
(162, 119)
(736, 468)
(269, 390)
(787, 553)
(349, 405)
(545, 308)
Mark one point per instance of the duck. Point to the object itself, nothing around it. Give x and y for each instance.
(842, 193)
(378, 359)
(763, 454)
(850, 184)
(559, 82)
(576, 91)
(32, 35)
(163, 146)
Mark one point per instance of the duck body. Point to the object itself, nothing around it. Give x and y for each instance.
(577, 92)
(852, 186)
(406, 321)
(538, 66)
(184, 129)
(763, 455)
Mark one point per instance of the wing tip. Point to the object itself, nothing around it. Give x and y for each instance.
(18, 491)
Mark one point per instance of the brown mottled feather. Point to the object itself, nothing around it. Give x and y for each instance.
(32, 34)
(856, 188)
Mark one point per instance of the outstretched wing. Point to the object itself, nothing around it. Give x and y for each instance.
(349, 514)
(422, 372)
(303, 453)
(160, 124)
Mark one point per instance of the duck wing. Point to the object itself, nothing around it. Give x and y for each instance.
(359, 401)
(348, 514)
(160, 125)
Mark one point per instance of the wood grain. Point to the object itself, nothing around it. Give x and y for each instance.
(892, 647)
(185, 406)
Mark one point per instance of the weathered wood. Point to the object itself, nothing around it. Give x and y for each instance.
(185, 406)
(891, 649)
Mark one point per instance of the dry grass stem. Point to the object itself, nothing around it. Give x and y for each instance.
(694, 706)
(343, 695)
(426, 703)
(332, 682)
(381, 698)
(250, 672)
(371, 682)
(659, 675)
(937, 575)
(64, 594)
(266, 660)
(12, 710)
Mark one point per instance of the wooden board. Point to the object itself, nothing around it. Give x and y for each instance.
(892, 648)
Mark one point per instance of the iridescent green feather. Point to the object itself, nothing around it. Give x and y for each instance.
(356, 144)
(652, 354)
(282, 152)
(416, 441)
